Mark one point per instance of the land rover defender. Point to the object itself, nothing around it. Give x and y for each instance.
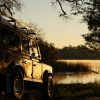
(20, 58)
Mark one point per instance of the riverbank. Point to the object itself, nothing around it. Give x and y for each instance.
(75, 66)
(77, 91)
(63, 66)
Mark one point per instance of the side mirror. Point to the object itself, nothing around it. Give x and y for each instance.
(32, 55)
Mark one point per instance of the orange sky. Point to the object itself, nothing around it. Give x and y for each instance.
(57, 30)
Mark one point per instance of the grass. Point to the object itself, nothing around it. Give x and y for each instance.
(59, 66)
(77, 91)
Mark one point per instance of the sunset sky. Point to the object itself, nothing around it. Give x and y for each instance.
(57, 30)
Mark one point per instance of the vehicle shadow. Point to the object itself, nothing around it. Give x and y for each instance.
(32, 91)
(33, 95)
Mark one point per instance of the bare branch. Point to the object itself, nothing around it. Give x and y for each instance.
(64, 13)
(9, 6)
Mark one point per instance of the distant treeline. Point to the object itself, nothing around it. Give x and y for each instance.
(50, 52)
(79, 52)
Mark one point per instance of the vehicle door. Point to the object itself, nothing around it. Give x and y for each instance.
(27, 62)
(37, 67)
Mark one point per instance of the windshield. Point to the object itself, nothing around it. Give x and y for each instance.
(34, 49)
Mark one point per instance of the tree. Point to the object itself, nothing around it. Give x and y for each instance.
(76, 6)
(90, 10)
(9, 6)
(92, 40)
(48, 51)
(92, 18)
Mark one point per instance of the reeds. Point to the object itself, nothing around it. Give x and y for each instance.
(77, 91)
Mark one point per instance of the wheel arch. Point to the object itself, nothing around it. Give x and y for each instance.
(46, 73)
(10, 74)
(14, 66)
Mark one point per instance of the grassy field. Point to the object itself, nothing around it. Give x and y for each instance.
(90, 91)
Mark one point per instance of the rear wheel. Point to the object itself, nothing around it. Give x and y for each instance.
(18, 84)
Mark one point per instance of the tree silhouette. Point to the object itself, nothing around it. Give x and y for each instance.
(92, 18)
(90, 10)
(76, 6)
(9, 6)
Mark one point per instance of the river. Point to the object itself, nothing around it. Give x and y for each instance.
(69, 78)
(81, 77)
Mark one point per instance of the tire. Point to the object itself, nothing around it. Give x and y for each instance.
(48, 87)
(18, 84)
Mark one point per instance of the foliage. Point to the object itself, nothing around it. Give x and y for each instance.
(92, 18)
(74, 6)
(90, 10)
(48, 51)
(92, 15)
(78, 52)
(92, 40)
(9, 6)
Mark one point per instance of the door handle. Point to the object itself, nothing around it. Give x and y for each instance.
(24, 62)
(34, 64)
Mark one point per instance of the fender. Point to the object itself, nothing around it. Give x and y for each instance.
(13, 66)
(47, 68)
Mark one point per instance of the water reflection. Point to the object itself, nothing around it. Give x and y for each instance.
(94, 65)
(69, 78)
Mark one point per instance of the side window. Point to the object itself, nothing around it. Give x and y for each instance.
(35, 51)
(25, 45)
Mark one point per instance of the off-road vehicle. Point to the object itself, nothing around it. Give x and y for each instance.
(20, 58)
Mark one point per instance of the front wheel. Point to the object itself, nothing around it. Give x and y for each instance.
(48, 84)
(18, 84)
